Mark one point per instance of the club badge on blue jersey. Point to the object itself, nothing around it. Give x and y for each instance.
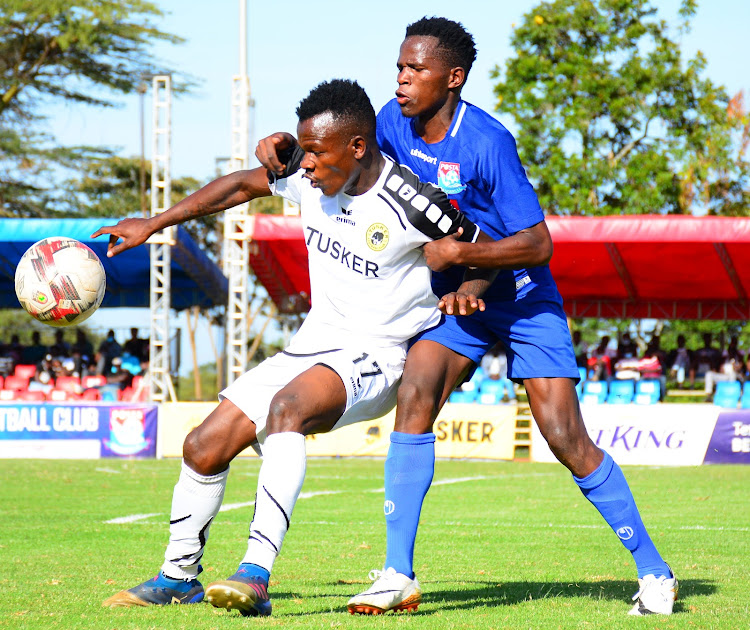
(449, 178)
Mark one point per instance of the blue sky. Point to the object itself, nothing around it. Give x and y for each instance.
(294, 45)
(292, 49)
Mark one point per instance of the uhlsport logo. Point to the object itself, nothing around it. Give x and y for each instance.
(388, 507)
(449, 178)
(625, 533)
(377, 237)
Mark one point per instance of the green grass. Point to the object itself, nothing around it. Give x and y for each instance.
(516, 547)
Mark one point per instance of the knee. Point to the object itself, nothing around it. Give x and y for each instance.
(417, 408)
(283, 415)
(201, 456)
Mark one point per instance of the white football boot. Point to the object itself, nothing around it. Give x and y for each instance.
(656, 595)
(390, 591)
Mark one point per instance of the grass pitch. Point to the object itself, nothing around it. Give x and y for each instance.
(501, 545)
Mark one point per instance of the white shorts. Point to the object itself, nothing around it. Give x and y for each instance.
(370, 376)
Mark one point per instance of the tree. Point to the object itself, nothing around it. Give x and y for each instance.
(610, 122)
(80, 51)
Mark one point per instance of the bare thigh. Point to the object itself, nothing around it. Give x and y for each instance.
(430, 375)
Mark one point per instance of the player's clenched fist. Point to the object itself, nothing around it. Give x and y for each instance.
(270, 147)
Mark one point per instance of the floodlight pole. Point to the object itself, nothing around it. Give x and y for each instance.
(236, 220)
(161, 387)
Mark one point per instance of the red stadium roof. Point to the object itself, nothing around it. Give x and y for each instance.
(669, 267)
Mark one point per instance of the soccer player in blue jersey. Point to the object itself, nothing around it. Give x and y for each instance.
(473, 158)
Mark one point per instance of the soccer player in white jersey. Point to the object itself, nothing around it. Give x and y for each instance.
(365, 220)
(473, 158)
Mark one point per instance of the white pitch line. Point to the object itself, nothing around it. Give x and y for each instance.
(108, 470)
(131, 519)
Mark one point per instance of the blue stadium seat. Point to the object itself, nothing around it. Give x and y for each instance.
(579, 384)
(745, 400)
(621, 391)
(463, 397)
(490, 392)
(472, 385)
(594, 392)
(647, 391)
(727, 394)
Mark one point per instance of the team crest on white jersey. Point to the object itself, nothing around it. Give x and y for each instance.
(377, 237)
(449, 178)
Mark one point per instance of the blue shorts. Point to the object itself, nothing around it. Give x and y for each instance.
(534, 331)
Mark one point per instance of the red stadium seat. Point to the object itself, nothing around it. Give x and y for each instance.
(2, 380)
(8, 394)
(93, 380)
(34, 395)
(62, 395)
(91, 394)
(16, 382)
(68, 383)
(25, 371)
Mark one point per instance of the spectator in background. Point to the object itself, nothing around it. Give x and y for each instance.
(626, 348)
(41, 382)
(136, 346)
(109, 349)
(495, 367)
(60, 348)
(680, 361)
(600, 361)
(581, 349)
(14, 350)
(731, 368)
(34, 353)
(82, 345)
(651, 365)
(705, 359)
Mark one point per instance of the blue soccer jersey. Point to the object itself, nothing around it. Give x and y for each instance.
(477, 166)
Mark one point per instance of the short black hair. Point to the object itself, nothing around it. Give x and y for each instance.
(454, 41)
(346, 100)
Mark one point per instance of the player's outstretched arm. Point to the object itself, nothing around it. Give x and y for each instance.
(270, 149)
(225, 192)
(531, 247)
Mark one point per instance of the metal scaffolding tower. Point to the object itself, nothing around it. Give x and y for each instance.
(236, 244)
(161, 387)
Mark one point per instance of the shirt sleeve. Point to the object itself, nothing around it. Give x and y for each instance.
(288, 185)
(510, 190)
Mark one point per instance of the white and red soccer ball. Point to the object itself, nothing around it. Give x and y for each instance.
(60, 281)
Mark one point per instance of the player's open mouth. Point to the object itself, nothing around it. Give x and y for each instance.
(401, 98)
(313, 182)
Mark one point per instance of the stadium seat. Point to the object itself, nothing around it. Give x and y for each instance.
(93, 380)
(745, 399)
(34, 395)
(16, 382)
(727, 394)
(647, 391)
(62, 395)
(594, 392)
(462, 397)
(25, 371)
(621, 391)
(68, 383)
(2, 380)
(582, 373)
(91, 394)
(8, 394)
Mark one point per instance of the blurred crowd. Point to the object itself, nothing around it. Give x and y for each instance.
(683, 367)
(111, 367)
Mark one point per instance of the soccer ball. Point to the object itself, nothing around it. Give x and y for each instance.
(60, 281)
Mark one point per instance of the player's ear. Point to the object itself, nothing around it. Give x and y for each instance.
(359, 147)
(457, 78)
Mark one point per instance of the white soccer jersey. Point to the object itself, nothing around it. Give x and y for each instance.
(368, 276)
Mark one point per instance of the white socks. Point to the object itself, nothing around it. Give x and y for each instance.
(279, 483)
(195, 503)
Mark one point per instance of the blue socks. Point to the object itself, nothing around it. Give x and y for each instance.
(608, 491)
(409, 468)
(183, 586)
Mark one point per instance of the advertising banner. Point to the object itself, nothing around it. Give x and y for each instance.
(730, 442)
(77, 431)
(474, 431)
(655, 435)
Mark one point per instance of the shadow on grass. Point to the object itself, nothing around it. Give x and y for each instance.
(472, 594)
(484, 593)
